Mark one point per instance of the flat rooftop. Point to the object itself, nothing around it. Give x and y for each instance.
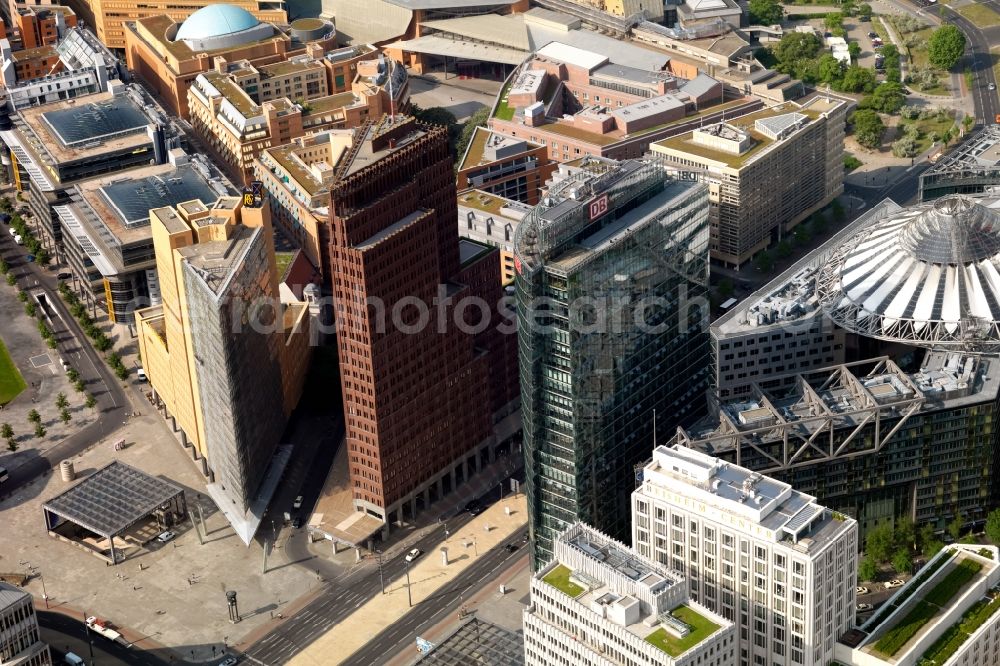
(215, 261)
(490, 204)
(88, 126)
(642, 597)
(12, 594)
(782, 511)
(484, 137)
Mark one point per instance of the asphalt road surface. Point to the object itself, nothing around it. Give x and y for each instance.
(60, 631)
(77, 351)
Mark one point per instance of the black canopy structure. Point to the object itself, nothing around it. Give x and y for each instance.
(112, 500)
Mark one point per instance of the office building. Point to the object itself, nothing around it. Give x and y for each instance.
(946, 614)
(20, 644)
(505, 166)
(492, 220)
(925, 276)
(780, 330)
(240, 109)
(111, 21)
(225, 357)
(871, 440)
(426, 401)
(78, 65)
(754, 550)
(767, 171)
(42, 25)
(168, 55)
(972, 167)
(612, 275)
(600, 603)
(606, 109)
(56, 145)
(106, 234)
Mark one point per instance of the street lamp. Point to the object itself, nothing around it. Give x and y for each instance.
(45, 596)
(381, 580)
(409, 598)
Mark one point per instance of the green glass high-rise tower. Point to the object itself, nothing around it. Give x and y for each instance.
(612, 279)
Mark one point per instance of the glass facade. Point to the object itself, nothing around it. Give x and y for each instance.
(611, 317)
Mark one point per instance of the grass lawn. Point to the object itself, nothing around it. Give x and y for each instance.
(928, 128)
(981, 15)
(11, 381)
(701, 628)
(504, 112)
(282, 261)
(559, 579)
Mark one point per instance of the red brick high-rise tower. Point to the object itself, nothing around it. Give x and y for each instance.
(422, 394)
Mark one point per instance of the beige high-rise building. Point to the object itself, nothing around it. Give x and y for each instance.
(107, 18)
(225, 358)
(766, 171)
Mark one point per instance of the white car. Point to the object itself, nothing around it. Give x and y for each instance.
(861, 590)
(895, 582)
(141, 374)
(861, 608)
(993, 86)
(413, 554)
(166, 536)
(297, 504)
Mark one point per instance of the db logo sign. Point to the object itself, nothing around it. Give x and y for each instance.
(598, 207)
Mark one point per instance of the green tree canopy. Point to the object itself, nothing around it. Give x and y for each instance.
(902, 562)
(855, 50)
(858, 79)
(765, 12)
(797, 46)
(834, 20)
(955, 526)
(992, 525)
(946, 46)
(868, 128)
(888, 97)
(879, 542)
(477, 119)
(905, 533)
(867, 568)
(829, 69)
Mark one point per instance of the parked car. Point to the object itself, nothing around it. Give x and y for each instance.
(296, 522)
(861, 590)
(993, 86)
(510, 548)
(141, 374)
(229, 661)
(166, 536)
(65, 275)
(872, 35)
(413, 554)
(297, 504)
(474, 507)
(861, 608)
(895, 582)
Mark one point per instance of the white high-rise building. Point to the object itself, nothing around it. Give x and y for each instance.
(597, 603)
(754, 550)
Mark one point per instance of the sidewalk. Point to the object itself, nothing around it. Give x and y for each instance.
(427, 575)
(485, 598)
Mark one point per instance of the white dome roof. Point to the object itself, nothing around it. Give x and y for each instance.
(929, 275)
(216, 21)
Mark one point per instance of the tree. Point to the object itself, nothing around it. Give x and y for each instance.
(64, 415)
(7, 432)
(477, 119)
(931, 548)
(902, 562)
(945, 47)
(888, 97)
(854, 49)
(11, 280)
(73, 375)
(878, 542)
(834, 20)
(784, 249)
(34, 416)
(61, 401)
(829, 69)
(867, 568)
(992, 526)
(868, 128)
(905, 533)
(865, 11)
(858, 79)
(765, 12)
(40, 430)
(763, 261)
(802, 234)
(955, 526)
(837, 209)
(797, 46)
(91, 401)
(79, 386)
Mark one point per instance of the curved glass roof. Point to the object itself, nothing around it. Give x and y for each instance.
(215, 21)
(929, 275)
